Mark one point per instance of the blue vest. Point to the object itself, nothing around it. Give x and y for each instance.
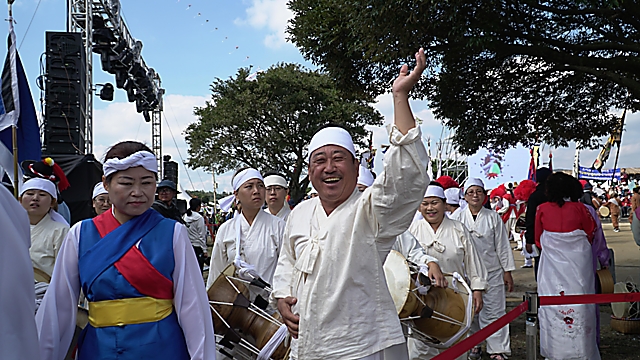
(163, 339)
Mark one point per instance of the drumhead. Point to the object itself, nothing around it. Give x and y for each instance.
(620, 309)
(398, 275)
(604, 211)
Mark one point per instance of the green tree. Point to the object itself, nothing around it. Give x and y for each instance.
(499, 71)
(268, 123)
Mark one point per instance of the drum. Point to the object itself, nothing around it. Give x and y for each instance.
(605, 279)
(624, 310)
(439, 318)
(241, 322)
(41, 276)
(604, 211)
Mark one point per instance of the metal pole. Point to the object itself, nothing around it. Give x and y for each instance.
(16, 175)
(531, 325)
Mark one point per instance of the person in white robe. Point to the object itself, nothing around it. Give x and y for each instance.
(329, 284)
(48, 228)
(131, 182)
(450, 242)
(452, 201)
(277, 190)
(490, 237)
(18, 334)
(256, 233)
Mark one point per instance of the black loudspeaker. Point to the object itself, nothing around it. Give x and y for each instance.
(171, 171)
(65, 95)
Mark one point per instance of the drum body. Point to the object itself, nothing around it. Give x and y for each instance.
(442, 316)
(237, 314)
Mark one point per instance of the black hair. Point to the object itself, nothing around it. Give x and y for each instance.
(269, 173)
(194, 204)
(435, 183)
(560, 186)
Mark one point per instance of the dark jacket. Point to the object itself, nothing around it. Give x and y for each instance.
(536, 199)
(170, 212)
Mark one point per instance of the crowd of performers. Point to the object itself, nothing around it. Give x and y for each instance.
(137, 265)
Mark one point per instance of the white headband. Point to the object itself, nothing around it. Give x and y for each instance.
(40, 184)
(244, 176)
(452, 195)
(434, 190)
(275, 180)
(226, 203)
(473, 182)
(98, 189)
(365, 177)
(332, 136)
(141, 158)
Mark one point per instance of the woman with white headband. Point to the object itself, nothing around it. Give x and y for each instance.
(450, 242)
(48, 228)
(256, 233)
(138, 272)
(100, 199)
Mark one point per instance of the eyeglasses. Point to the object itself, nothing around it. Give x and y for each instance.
(164, 190)
(102, 200)
(477, 192)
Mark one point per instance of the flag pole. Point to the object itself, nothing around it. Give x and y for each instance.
(14, 132)
(619, 143)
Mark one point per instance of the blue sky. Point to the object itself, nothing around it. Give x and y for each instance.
(189, 52)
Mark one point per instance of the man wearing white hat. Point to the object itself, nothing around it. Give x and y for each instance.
(491, 239)
(329, 282)
(277, 190)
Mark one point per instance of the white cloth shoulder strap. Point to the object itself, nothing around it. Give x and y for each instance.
(245, 270)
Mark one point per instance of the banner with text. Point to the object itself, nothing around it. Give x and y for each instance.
(593, 174)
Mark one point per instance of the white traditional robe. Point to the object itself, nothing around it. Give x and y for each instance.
(283, 213)
(490, 237)
(260, 242)
(18, 336)
(56, 317)
(451, 244)
(333, 264)
(46, 240)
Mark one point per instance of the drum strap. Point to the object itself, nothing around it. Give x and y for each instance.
(230, 339)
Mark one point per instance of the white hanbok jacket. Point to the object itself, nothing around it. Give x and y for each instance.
(46, 241)
(490, 238)
(260, 242)
(333, 264)
(451, 244)
(283, 214)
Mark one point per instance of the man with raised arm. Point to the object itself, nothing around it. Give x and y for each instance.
(329, 283)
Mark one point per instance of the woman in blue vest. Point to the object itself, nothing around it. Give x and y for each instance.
(137, 269)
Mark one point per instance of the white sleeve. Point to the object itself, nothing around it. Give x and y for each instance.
(410, 248)
(56, 317)
(395, 195)
(219, 258)
(476, 271)
(282, 278)
(503, 248)
(190, 299)
(202, 231)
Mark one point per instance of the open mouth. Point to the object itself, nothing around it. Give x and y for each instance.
(331, 180)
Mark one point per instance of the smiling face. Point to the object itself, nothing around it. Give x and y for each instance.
(333, 172)
(132, 191)
(37, 203)
(475, 196)
(432, 209)
(251, 194)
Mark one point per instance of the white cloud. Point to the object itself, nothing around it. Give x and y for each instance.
(272, 15)
(119, 121)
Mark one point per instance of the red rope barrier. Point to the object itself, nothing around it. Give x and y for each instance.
(588, 299)
(475, 339)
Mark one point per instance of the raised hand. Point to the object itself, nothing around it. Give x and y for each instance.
(405, 80)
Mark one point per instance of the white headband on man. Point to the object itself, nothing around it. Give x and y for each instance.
(40, 184)
(244, 176)
(365, 177)
(275, 180)
(473, 182)
(98, 189)
(141, 158)
(332, 136)
(435, 190)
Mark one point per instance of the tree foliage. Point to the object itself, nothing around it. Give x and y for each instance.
(499, 71)
(268, 123)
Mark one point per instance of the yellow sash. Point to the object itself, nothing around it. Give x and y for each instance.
(128, 311)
